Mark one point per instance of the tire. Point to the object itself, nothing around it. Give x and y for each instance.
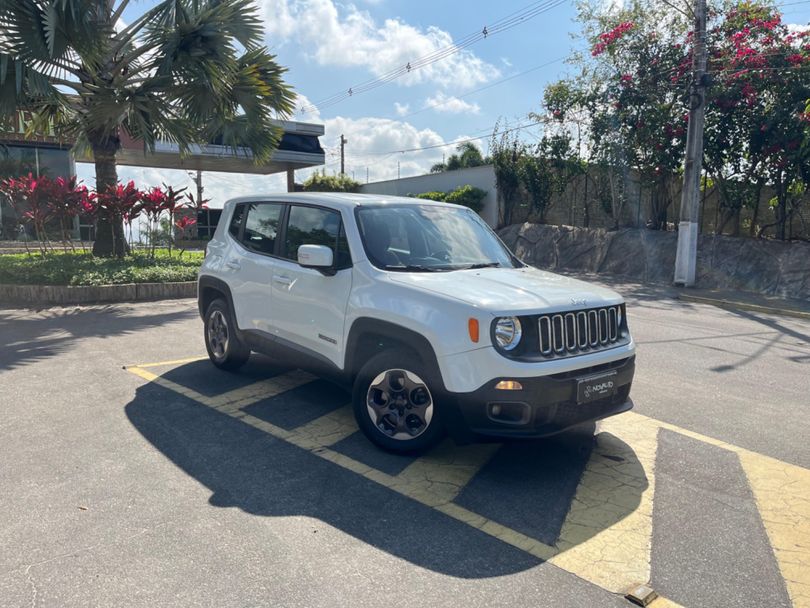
(224, 347)
(393, 402)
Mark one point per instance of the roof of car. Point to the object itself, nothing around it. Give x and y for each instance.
(336, 200)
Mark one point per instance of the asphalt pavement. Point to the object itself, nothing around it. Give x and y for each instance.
(135, 474)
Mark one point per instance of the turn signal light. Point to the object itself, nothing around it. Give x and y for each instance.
(509, 385)
(472, 327)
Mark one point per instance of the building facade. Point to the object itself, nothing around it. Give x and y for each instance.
(44, 154)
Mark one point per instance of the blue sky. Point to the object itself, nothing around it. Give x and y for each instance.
(329, 46)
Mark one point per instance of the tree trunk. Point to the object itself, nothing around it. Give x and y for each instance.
(110, 238)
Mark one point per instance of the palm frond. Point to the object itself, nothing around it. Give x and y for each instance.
(186, 71)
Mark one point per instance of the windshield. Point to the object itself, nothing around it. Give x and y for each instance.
(429, 238)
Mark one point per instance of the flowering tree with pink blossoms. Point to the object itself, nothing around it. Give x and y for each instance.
(635, 90)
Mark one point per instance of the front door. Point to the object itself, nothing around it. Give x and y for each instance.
(309, 307)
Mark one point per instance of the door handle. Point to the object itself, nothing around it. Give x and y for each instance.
(233, 265)
(286, 281)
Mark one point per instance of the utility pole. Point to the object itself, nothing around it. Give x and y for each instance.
(198, 181)
(398, 174)
(366, 174)
(343, 142)
(686, 258)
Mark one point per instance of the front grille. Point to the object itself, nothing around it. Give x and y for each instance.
(566, 334)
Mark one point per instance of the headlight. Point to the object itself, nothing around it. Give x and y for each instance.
(507, 332)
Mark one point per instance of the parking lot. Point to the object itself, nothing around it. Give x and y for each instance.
(134, 473)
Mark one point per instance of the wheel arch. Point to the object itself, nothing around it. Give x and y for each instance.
(208, 290)
(368, 336)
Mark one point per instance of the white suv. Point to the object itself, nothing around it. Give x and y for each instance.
(420, 309)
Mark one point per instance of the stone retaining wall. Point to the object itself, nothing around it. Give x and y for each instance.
(60, 295)
(761, 266)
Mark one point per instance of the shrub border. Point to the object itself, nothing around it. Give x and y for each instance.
(61, 295)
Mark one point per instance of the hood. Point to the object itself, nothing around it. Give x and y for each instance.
(504, 291)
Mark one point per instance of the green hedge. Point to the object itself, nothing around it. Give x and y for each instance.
(83, 269)
(330, 183)
(469, 196)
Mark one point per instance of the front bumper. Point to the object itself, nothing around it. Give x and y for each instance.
(546, 405)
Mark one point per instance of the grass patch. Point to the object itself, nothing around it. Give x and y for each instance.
(70, 268)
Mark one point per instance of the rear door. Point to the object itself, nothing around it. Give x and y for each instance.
(252, 265)
(309, 307)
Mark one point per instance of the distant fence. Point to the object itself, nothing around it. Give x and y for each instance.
(585, 204)
(581, 205)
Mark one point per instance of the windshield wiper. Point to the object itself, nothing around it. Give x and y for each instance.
(481, 265)
(416, 268)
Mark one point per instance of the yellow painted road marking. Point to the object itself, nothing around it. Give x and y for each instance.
(326, 430)
(441, 474)
(607, 536)
(167, 363)
(235, 399)
(612, 553)
(782, 492)
(409, 486)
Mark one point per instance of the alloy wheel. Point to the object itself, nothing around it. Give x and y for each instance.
(400, 404)
(218, 334)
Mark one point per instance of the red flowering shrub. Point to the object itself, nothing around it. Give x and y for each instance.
(608, 38)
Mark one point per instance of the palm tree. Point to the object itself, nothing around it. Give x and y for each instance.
(468, 155)
(185, 71)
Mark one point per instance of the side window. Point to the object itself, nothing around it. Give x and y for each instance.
(315, 226)
(236, 221)
(261, 226)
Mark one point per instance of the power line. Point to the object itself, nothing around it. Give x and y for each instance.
(506, 23)
(456, 142)
(484, 88)
(793, 3)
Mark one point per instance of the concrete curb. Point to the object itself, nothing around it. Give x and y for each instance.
(734, 304)
(62, 295)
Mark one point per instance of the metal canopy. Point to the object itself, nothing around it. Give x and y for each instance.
(299, 148)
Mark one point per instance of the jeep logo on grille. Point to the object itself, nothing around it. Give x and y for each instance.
(579, 302)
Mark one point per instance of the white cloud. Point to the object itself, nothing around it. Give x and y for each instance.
(448, 104)
(797, 28)
(368, 137)
(349, 37)
(402, 108)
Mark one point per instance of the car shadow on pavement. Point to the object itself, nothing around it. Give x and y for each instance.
(526, 486)
(30, 336)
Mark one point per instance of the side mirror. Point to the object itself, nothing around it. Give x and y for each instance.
(319, 257)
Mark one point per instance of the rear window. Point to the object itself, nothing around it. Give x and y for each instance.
(261, 227)
(236, 221)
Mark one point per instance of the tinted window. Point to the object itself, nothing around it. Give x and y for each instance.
(261, 226)
(314, 226)
(236, 221)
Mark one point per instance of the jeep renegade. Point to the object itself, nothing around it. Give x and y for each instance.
(419, 309)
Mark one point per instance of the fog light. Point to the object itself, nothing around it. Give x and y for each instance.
(509, 412)
(509, 385)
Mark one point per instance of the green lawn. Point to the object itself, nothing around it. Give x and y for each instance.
(69, 268)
